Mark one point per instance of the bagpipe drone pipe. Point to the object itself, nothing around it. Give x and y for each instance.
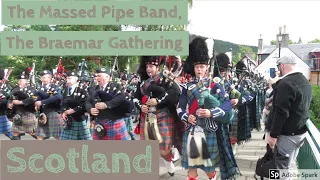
(5, 89)
(75, 101)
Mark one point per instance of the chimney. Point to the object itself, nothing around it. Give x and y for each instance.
(285, 38)
(260, 45)
(277, 41)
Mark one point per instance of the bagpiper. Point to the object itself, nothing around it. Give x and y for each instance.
(5, 125)
(132, 86)
(157, 98)
(22, 101)
(48, 107)
(228, 165)
(243, 131)
(74, 98)
(109, 108)
(199, 146)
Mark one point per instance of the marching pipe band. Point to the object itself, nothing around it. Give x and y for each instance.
(200, 108)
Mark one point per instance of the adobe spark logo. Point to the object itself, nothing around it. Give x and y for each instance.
(274, 173)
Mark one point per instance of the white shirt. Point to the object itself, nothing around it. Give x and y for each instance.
(46, 86)
(73, 87)
(104, 87)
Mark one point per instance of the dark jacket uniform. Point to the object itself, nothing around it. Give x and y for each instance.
(112, 95)
(50, 98)
(75, 101)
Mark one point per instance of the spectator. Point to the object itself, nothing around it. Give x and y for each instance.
(290, 112)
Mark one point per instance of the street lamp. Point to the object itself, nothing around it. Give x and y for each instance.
(279, 38)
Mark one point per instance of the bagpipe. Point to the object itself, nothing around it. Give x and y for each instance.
(197, 147)
(113, 89)
(28, 96)
(4, 88)
(32, 76)
(159, 90)
(42, 94)
(79, 94)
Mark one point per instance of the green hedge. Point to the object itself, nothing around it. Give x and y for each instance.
(315, 106)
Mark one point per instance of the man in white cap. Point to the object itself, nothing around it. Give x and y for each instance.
(290, 112)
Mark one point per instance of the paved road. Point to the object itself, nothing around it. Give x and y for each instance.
(247, 156)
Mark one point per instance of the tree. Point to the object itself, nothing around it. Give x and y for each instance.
(315, 41)
(161, 27)
(243, 51)
(274, 42)
(70, 62)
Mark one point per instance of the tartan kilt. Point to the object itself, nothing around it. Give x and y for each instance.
(241, 118)
(115, 130)
(165, 123)
(228, 166)
(29, 124)
(248, 124)
(234, 125)
(52, 128)
(78, 131)
(5, 126)
(212, 143)
(129, 123)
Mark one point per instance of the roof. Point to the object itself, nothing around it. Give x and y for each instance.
(315, 50)
(270, 62)
(301, 50)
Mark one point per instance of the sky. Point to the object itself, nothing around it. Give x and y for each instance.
(242, 22)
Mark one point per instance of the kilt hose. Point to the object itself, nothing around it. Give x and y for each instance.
(52, 128)
(5, 126)
(78, 131)
(165, 124)
(212, 147)
(29, 124)
(129, 123)
(115, 130)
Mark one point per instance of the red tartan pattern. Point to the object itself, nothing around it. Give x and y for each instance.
(165, 124)
(115, 130)
(179, 129)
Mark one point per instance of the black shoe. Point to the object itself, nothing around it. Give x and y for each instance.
(16, 138)
(34, 136)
